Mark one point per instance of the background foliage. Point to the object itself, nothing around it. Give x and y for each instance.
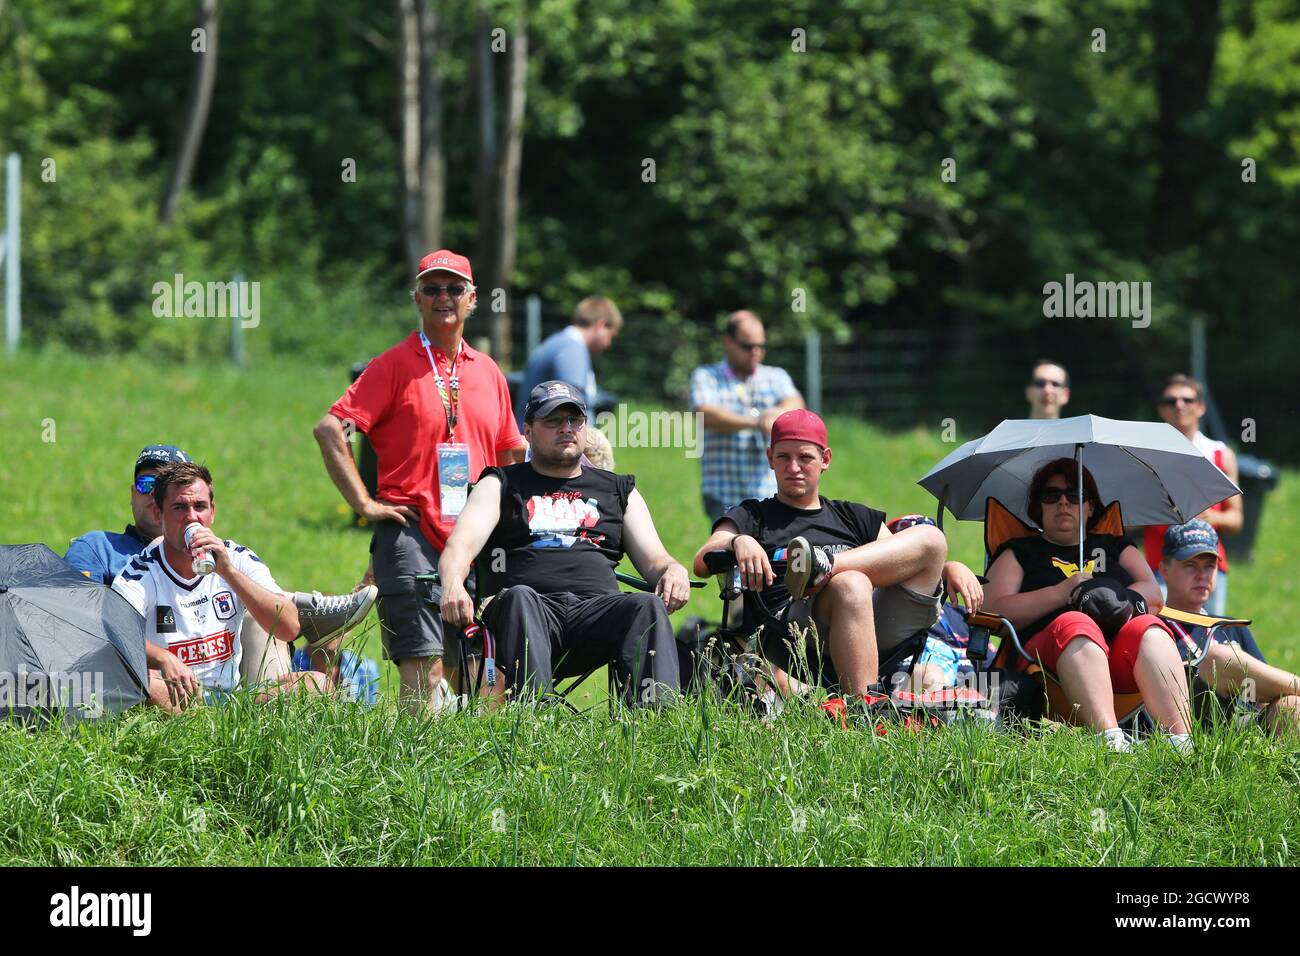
(775, 170)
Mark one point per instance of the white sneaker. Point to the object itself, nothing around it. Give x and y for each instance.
(1117, 740)
(448, 703)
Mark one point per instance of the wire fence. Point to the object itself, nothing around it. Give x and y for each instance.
(896, 375)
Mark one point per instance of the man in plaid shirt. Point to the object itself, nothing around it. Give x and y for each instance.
(739, 398)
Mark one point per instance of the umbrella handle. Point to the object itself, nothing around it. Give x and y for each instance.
(1078, 460)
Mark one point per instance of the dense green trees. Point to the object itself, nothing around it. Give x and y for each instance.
(924, 163)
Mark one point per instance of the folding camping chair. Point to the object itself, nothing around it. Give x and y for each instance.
(1197, 689)
(724, 656)
(1002, 525)
(473, 679)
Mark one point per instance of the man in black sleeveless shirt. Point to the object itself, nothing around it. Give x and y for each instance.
(870, 590)
(550, 532)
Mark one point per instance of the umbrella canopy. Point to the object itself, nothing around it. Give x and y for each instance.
(65, 640)
(1157, 475)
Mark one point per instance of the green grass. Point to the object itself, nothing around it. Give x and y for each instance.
(319, 782)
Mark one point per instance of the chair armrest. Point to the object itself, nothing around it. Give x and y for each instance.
(719, 562)
(996, 625)
(641, 584)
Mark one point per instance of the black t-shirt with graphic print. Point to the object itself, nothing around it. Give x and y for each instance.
(556, 534)
(836, 526)
(1045, 564)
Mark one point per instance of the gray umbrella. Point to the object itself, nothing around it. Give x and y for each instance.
(1157, 475)
(65, 640)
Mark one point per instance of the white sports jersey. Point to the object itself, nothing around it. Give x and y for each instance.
(197, 618)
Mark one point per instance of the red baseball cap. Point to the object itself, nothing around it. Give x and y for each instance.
(801, 425)
(444, 260)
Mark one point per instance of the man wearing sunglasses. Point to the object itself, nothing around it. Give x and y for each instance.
(553, 531)
(1182, 405)
(1048, 390)
(101, 555)
(437, 413)
(739, 399)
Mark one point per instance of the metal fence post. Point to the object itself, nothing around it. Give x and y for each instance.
(1199, 371)
(533, 335)
(13, 254)
(237, 323)
(813, 369)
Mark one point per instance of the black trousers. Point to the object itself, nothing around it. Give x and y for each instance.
(544, 637)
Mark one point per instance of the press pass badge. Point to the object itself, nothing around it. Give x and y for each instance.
(453, 478)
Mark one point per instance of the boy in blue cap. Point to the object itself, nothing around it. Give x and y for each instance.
(1190, 559)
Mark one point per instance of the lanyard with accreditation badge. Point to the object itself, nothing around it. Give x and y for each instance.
(453, 456)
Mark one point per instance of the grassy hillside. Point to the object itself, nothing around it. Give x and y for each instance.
(321, 782)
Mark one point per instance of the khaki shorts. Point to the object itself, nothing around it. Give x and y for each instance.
(899, 613)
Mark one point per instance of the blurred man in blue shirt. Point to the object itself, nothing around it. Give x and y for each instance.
(566, 355)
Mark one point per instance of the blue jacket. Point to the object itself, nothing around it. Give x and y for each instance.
(562, 357)
(99, 555)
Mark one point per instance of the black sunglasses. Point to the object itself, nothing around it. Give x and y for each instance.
(1169, 401)
(1050, 496)
(559, 421)
(433, 291)
(751, 346)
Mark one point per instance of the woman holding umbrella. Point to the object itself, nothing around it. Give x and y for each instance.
(1089, 625)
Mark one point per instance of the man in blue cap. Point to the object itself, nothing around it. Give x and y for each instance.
(101, 555)
(1235, 666)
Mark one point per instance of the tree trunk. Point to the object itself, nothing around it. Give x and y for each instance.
(196, 112)
(408, 58)
(433, 163)
(507, 203)
(1186, 38)
(485, 70)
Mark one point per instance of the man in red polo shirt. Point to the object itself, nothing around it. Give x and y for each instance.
(437, 413)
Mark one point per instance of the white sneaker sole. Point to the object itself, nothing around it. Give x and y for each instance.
(798, 554)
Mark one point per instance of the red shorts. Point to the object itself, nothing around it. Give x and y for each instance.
(1046, 646)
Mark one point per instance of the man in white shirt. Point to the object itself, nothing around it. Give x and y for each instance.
(1182, 405)
(197, 617)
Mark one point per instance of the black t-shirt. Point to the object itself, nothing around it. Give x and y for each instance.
(1045, 564)
(836, 526)
(558, 534)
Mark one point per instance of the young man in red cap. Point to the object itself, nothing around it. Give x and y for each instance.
(437, 413)
(869, 590)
